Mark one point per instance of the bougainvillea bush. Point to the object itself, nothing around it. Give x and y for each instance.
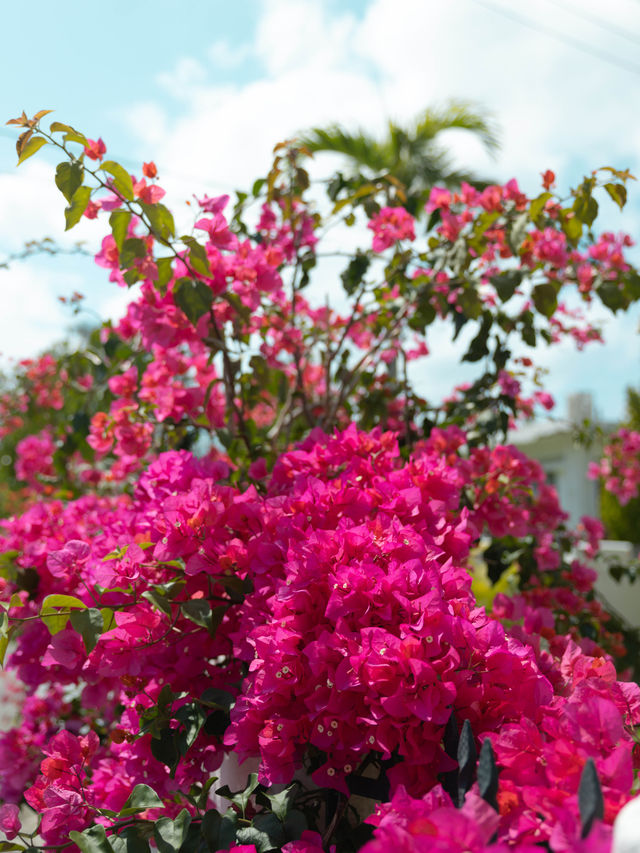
(259, 593)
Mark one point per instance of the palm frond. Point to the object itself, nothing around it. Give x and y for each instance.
(458, 115)
(360, 146)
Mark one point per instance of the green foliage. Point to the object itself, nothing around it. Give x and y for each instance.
(623, 522)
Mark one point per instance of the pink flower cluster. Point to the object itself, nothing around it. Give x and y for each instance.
(389, 226)
(620, 466)
(361, 634)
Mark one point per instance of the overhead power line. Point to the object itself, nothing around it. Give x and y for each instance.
(598, 22)
(605, 56)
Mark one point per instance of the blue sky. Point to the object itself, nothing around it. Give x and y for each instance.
(206, 88)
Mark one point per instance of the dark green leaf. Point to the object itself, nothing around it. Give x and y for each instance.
(280, 803)
(198, 610)
(214, 697)
(612, 296)
(122, 183)
(267, 833)
(590, 799)
(219, 831)
(240, 798)
(142, 797)
(89, 624)
(478, 347)
(506, 283)
(165, 749)
(466, 761)
(69, 178)
(355, 272)
(295, 824)
(79, 202)
(488, 774)
(195, 298)
(158, 600)
(545, 298)
(130, 840)
(119, 222)
(169, 834)
(192, 716)
(92, 840)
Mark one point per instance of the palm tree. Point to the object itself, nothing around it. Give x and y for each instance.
(411, 155)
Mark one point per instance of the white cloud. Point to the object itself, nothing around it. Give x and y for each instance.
(32, 317)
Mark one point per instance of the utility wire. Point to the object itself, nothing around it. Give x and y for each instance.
(611, 58)
(598, 22)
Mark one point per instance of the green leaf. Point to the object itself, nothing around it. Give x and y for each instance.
(214, 697)
(142, 797)
(590, 799)
(612, 296)
(586, 209)
(89, 624)
(133, 249)
(122, 182)
(161, 220)
(108, 619)
(79, 202)
(257, 186)
(197, 610)
(618, 193)
(165, 273)
(478, 347)
(69, 178)
(73, 135)
(33, 145)
(165, 749)
(67, 601)
(11, 845)
(281, 802)
(197, 256)
(5, 633)
(355, 272)
(158, 600)
(240, 798)
(219, 831)
(130, 840)
(53, 618)
(488, 774)
(572, 227)
(169, 834)
(119, 222)
(195, 298)
(506, 283)
(545, 298)
(192, 717)
(92, 840)
(537, 205)
(267, 833)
